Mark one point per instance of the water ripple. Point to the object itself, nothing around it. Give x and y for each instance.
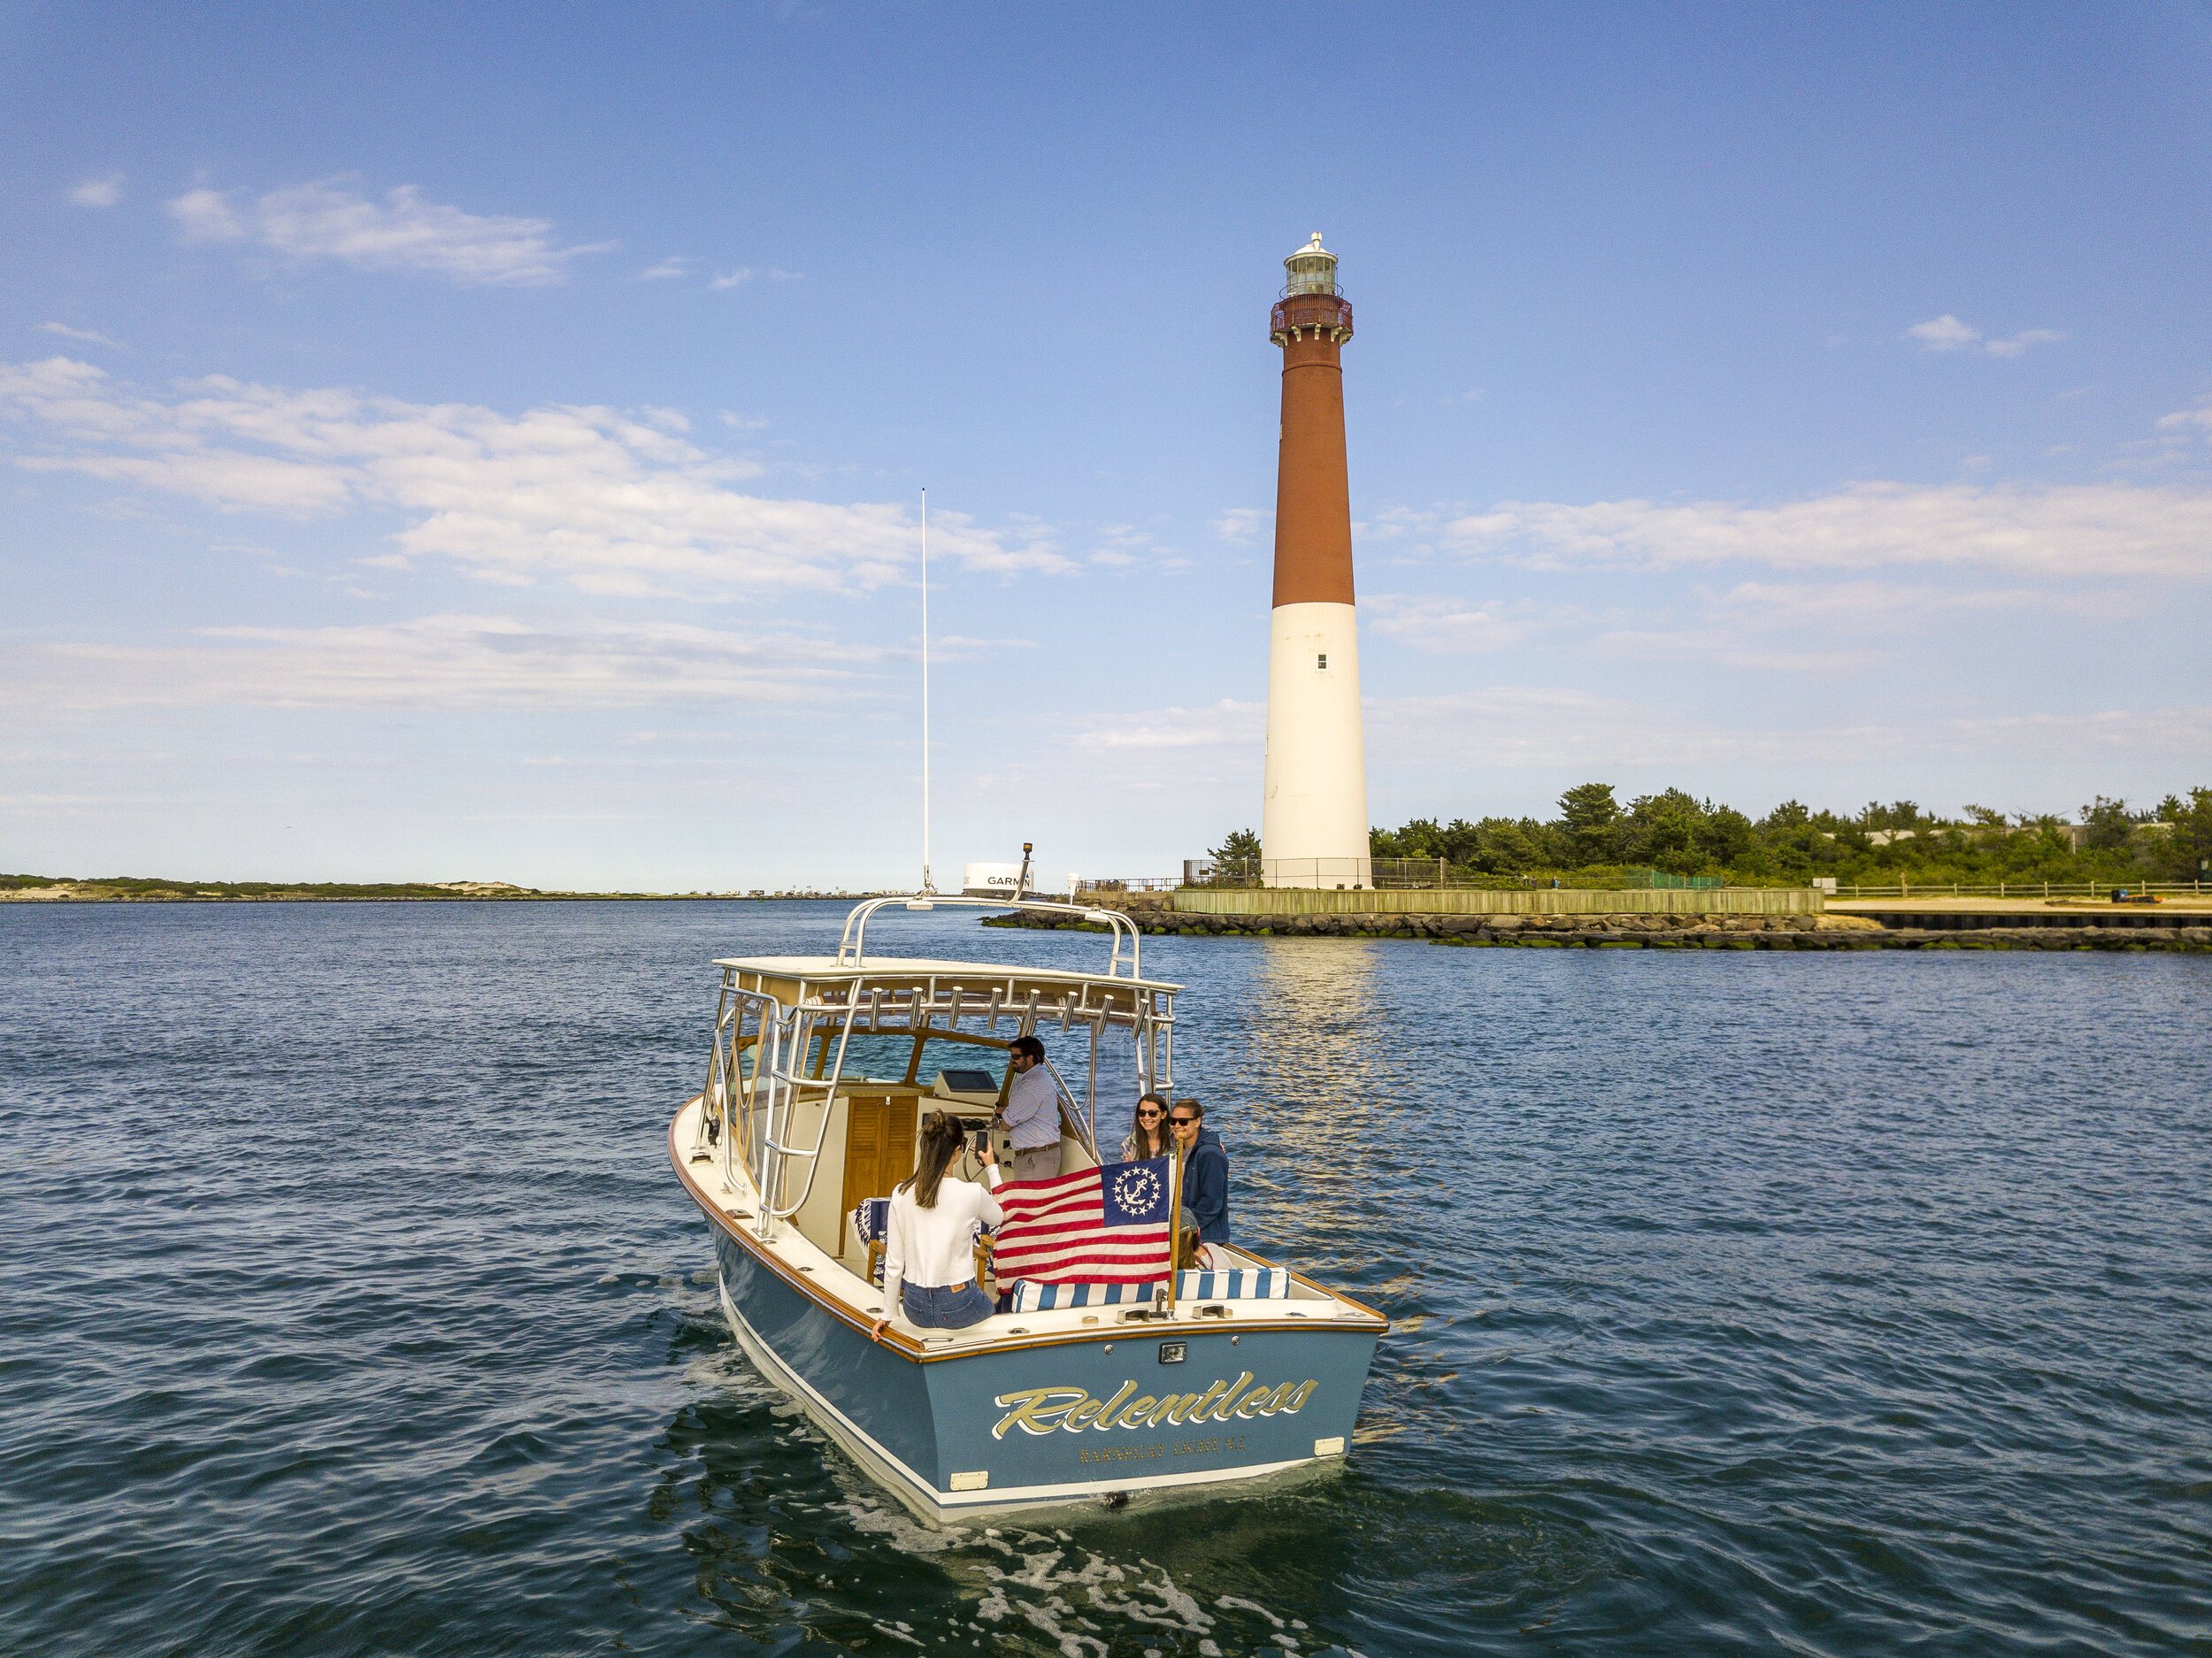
(1738, 1303)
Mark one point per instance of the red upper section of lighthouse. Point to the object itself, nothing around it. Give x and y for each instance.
(1313, 503)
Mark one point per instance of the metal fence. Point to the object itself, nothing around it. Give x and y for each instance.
(2014, 889)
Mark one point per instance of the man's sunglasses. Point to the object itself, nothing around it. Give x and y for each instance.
(1182, 1122)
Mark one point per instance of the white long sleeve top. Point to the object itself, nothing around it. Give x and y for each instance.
(935, 1248)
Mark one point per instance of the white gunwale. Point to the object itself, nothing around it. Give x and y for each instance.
(827, 1282)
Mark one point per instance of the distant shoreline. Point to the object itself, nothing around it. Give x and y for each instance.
(159, 892)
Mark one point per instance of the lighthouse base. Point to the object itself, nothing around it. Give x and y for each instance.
(1313, 825)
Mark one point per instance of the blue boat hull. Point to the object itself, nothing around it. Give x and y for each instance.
(1069, 1420)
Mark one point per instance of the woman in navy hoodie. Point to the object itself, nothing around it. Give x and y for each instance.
(1205, 1170)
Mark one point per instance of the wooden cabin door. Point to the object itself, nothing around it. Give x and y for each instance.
(878, 1151)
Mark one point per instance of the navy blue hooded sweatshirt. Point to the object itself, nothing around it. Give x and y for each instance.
(1206, 1186)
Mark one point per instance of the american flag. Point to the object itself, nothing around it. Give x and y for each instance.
(1104, 1225)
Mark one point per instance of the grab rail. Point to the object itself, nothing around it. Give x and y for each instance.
(852, 945)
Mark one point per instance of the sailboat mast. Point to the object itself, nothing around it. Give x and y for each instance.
(928, 885)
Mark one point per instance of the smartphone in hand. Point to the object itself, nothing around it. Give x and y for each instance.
(982, 1141)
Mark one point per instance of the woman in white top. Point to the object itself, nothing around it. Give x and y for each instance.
(929, 1236)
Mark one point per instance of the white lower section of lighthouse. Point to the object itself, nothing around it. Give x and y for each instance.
(1313, 826)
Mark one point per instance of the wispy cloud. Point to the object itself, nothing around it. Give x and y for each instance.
(1241, 525)
(67, 332)
(401, 232)
(103, 192)
(1226, 722)
(1546, 728)
(1827, 628)
(2182, 421)
(2071, 530)
(1443, 625)
(605, 500)
(1946, 332)
(675, 265)
(489, 662)
(731, 278)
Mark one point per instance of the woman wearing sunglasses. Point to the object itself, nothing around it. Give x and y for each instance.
(1150, 1138)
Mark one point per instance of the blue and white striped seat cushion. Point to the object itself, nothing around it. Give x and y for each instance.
(871, 1219)
(1032, 1297)
(1240, 1285)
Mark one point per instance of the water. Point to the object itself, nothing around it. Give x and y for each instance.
(1742, 1303)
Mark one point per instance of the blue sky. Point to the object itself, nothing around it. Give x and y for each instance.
(481, 442)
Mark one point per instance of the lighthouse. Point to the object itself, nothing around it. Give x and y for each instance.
(1313, 826)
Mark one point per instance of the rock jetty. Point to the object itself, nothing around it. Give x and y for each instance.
(1629, 932)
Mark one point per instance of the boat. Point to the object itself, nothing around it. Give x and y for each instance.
(820, 1071)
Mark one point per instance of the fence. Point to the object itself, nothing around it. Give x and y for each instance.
(2014, 889)
(1351, 873)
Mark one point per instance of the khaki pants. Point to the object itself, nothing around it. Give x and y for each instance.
(1039, 1164)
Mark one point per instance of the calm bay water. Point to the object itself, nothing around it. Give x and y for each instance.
(1742, 1303)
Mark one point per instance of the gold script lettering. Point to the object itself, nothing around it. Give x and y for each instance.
(1220, 1411)
(1106, 1412)
(1037, 1409)
(1173, 1408)
(1211, 1397)
(1073, 1410)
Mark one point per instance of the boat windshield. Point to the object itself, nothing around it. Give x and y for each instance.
(915, 1061)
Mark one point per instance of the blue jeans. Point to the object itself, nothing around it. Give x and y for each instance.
(954, 1307)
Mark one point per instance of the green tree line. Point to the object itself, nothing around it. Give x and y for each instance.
(1596, 836)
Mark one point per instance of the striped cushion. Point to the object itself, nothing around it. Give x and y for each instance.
(870, 1220)
(1032, 1297)
(1240, 1285)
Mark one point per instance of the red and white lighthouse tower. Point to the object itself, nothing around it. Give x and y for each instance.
(1313, 828)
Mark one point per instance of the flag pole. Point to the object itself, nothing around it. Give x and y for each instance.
(1174, 1228)
(929, 888)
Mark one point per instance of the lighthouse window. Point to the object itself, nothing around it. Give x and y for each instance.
(1321, 661)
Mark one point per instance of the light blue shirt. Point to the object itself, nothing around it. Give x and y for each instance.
(1033, 1109)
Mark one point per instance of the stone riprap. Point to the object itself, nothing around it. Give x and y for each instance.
(1628, 931)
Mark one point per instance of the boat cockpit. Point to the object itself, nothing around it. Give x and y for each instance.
(824, 1067)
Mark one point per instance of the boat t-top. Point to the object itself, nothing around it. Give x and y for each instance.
(822, 1070)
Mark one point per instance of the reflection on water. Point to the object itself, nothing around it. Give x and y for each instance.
(1828, 1305)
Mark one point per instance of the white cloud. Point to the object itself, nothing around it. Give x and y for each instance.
(400, 233)
(1226, 722)
(1546, 729)
(1443, 625)
(2096, 530)
(603, 500)
(676, 266)
(2021, 341)
(2181, 421)
(67, 332)
(105, 192)
(1946, 332)
(442, 663)
(731, 278)
(1241, 525)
